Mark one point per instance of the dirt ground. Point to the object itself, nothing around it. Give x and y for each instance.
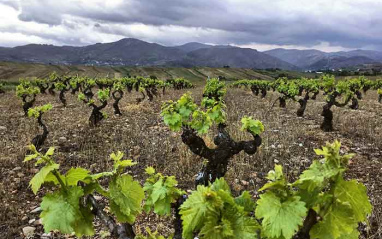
(141, 134)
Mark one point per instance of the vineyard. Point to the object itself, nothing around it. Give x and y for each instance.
(146, 158)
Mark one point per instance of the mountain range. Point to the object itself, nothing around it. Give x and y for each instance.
(134, 52)
(319, 60)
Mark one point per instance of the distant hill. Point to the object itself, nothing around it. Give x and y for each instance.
(317, 60)
(134, 52)
(192, 46)
(299, 58)
(341, 62)
(219, 56)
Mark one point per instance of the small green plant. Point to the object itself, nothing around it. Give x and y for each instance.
(117, 93)
(212, 212)
(62, 210)
(97, 115)
(333, 92)
(195, 120)
(36, 112)
(161, 192)
(288, 90)
(27, 92)
(62, 86)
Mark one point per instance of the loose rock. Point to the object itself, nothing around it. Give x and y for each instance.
(28, 231)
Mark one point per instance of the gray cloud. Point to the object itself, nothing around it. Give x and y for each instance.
(342, 23)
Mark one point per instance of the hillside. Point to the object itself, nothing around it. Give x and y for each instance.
(233, 57)
(317, 60)
(134, 52)
(12, 71)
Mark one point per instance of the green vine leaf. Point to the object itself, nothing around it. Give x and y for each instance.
(280, 218)
(126, 196)
(338, 222)
(61, 211)
(74, 175)
(355, 194)
(253, 126)
(39, 178)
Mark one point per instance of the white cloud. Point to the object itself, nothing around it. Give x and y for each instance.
(321, 24)
(323, 46)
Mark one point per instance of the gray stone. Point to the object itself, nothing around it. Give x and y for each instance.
(62, 139)
(28, 231)
(36, 210)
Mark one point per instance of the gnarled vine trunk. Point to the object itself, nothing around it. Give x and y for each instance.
(327, 124)
(117, 96)
(314, 96)
(309, 222)
(62, 97)
(51, 89)
(303, 102)
(96, 115)
(255, 90)
(380, 98)
(39, 139)
(218, 158)
(75, 89)
(43, 88)
(354, 104)
(263, 93)
(88, 93)
(139, 100)
(120, 231)
(27, 104)
(282, 101)
(178, 220)
(358, 94)
(149, 94)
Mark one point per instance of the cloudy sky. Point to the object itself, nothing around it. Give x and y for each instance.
(328, 25)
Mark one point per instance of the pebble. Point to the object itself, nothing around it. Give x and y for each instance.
(36, 210)
(3, 128)
(62, 139)
(17, 169)
(37, 222)
(244, 183)
(31, 221)
(28, 231)
(46, 235)
(97, 198)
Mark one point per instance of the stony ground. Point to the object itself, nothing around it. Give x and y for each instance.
(141, 134)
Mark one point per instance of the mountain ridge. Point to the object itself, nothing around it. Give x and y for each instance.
(318, 60)
(135, 52)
